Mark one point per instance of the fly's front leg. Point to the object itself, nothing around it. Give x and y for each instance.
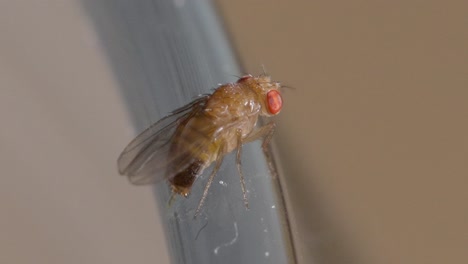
(265, 131)
(219, 160)
(239, 166)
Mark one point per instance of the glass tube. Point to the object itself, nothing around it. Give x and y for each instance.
(165, 53)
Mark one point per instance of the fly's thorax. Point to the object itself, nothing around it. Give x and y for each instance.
(233, 107)
(231, 102)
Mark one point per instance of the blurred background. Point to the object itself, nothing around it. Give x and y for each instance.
(374, 138)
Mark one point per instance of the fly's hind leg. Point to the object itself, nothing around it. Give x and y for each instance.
(219, 160)
(239, 166)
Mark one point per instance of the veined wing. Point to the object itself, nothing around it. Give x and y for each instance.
(144, 160)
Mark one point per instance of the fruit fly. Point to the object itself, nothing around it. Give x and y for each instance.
(181, 145)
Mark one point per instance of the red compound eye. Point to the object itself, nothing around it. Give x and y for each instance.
(245, 77)
(275, 102)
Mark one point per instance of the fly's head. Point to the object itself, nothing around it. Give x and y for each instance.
(267, 92)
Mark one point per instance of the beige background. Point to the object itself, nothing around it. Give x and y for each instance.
(374, 139)
(63, 126)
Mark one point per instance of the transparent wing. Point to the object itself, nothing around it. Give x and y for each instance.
(145, 158)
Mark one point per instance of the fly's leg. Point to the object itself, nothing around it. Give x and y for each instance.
(270, 130)
(239, 166)
(265, 131)
(171, 200)
(219, 160)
